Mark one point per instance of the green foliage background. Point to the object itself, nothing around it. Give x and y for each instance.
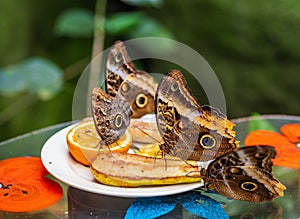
(253, 46)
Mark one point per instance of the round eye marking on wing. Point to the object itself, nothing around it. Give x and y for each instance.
(118, 57)
(174, 86)
(118, 120)
(141, 100)
(207, 141)
(249, 186)
(125, 87)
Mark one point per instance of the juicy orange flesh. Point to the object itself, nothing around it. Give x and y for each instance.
(84, 142)
(87, 137)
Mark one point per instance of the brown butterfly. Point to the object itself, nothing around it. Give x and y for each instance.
(190, 131)
(111, 115)
(244, 174)
(123, 79)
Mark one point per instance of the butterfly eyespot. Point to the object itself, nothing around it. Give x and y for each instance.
(249, 186)
(207, 141)
(141, 100)
(174, 86)
(118, 57)
(125, 87)
(118, 120)
(107, 123)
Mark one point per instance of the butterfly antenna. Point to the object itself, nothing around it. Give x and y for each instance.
(148, 134)
(88, 133)
(102, 144)
(165, 159)
(98, 145)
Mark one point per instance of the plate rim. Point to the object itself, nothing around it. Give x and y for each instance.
(56, 142)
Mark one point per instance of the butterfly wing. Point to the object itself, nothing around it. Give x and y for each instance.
(190, 131)
(174, 102)
(118, 66)
(138, 89)
(124, 80)
(111, 115)
(245, 174)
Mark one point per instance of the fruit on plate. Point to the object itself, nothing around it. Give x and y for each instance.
(83, 142)
(144, 130)
(152, 150)
(133, 170)
(149, 150)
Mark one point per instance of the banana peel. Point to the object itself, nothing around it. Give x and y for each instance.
(133, 170)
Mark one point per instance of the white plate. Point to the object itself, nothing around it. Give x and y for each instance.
(61, 165)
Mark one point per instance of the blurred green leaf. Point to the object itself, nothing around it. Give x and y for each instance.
(142, 3)
(257, 123)
(123, 22)
(11, 81)
(44, 78)
(152, 28)
(75, 23)
(36, 75)
(136, 24)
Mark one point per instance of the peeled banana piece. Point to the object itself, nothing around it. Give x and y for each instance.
(133, 170)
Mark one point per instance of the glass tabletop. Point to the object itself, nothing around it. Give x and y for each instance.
(76, 203)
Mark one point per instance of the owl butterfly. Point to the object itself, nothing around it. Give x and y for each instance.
(244, 174)
(190, 131)
(111, 115)
(123, 79)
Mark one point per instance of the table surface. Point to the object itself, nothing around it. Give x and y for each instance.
(80, 204)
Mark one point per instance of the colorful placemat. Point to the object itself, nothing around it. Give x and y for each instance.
(24, 187)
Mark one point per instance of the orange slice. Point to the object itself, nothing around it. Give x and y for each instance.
(83, 142)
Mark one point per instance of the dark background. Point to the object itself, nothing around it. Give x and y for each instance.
(253, 46)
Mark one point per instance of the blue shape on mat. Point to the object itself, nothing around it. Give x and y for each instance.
(194, 202)
(202, 205)
(148, 208)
